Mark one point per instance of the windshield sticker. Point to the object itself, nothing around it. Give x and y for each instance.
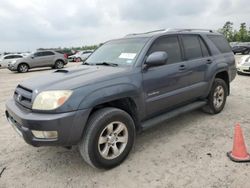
(127, 55)
(129, 61)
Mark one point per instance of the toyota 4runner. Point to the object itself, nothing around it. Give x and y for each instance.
(127, 85)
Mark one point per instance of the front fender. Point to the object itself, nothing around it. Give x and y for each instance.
(106, 94)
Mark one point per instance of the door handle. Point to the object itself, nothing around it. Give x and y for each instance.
(209, 61)
(182, 67)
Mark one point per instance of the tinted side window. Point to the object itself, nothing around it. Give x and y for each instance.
(9, 57)
(47, 53)
(192, 47)
(221, 43)
(38, 54)
(170, 45)
(17, 56)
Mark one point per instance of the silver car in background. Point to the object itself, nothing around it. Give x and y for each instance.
(6, 59)
(48, 58)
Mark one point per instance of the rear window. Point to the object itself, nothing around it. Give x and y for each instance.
(192, 47)
(221, 43)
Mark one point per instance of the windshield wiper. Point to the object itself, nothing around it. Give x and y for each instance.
(107, 64)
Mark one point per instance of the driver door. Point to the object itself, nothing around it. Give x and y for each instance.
(165, 86)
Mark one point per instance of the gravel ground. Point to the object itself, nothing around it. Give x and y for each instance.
(188, 151)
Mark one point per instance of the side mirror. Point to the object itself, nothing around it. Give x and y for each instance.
(157, 59)
(32, 57)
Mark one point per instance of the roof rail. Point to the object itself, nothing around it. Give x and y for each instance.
(154, 31)
(173, 30)
(183, 30)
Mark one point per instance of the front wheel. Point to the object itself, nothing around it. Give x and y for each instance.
(108, 139)
(217, 97)
(22, 68)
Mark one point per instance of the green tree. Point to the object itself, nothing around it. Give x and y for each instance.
(243, 33)
(227, 31)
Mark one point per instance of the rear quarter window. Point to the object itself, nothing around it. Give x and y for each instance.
(221, 43)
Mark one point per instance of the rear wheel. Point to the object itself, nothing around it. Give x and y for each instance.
(23, 67)
(108, 139)
(59, 64)
(217, 97)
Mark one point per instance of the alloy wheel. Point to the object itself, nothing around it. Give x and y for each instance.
(113, 140)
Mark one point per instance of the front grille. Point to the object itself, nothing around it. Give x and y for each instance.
(23, 96)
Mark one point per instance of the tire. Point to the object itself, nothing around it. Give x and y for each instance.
(96, 146)
(23, 67)
(217, 97)
(59, 64)
(78, 59)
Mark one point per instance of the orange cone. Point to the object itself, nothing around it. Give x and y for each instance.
(239, 153)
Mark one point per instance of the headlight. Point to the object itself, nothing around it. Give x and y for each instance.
(50, 100)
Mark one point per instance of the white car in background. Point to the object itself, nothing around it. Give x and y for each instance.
(6, 59)
(243, 66)
(80, 56)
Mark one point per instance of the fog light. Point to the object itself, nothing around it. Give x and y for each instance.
(45, 134)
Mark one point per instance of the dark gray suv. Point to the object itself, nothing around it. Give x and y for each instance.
(47, 58)
(126, 86)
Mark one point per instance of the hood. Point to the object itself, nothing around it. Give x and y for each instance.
(74, 77)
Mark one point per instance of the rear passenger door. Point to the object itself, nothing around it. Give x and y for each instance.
(42, 59)
(165, 86)
(48, 58)
(198, 60)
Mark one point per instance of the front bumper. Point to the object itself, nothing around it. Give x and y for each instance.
(69, 126)
(243, 69)
(12, 67)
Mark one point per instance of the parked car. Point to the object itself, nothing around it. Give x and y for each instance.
(243, 66)
(80, 56)
(6, 59)
(241, 49)
(47, 58)
(126, 86)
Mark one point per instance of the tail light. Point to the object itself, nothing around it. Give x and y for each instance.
(65, 56)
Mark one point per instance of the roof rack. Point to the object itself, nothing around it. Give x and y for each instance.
(154, 31)
(173, 30)
(183, 30)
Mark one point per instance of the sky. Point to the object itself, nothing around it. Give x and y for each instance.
(26, 25)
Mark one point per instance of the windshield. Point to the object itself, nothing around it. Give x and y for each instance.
(119, 52)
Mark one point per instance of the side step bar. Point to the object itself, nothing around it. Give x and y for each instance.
(169, 115)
